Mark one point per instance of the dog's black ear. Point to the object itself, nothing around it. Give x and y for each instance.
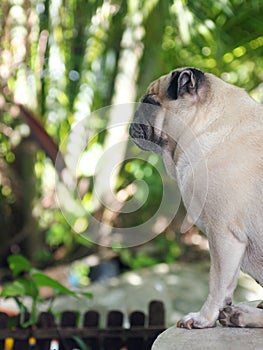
(185, 81)
(172, 90)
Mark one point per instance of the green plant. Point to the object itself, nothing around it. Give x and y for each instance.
(26, 283)
(82, 345)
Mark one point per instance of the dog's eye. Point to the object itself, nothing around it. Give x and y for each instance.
(149, 99)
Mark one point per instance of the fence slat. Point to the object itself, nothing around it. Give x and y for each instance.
(156, 313)
(137, 319)
(68, 319)
(3, 325)
(139, 336)
(45, 321)
(156, 318)
(21, 344)
(114, 320)
(91, 320)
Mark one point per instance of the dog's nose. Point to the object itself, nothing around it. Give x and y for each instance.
(149, 99)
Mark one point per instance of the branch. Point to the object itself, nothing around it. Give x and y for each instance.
(45, 141)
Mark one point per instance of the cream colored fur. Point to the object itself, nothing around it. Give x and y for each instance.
(215, 151)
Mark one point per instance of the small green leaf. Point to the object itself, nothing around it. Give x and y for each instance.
(30, 287)
(18, 264)
(21, 287)
(86, 294)
(43, 280)
(81, 343)
(13, 289)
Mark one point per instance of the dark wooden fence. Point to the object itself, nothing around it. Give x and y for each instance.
(47, 335)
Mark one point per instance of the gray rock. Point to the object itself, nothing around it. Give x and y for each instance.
(218, 338)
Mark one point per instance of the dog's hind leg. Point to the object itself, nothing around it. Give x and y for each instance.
(241, 316)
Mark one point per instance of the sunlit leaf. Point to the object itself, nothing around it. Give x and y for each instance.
(82, 345)
(18, 264)
(13, 289)
(29, 286)
(86, 294)
(43, 280)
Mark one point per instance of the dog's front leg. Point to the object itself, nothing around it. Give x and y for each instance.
(226, 253)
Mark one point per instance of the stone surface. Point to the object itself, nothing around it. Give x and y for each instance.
(218, 338)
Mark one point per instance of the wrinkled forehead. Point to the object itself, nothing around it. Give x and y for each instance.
(159, 86)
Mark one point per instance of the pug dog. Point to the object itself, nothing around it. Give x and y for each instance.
(210, 136)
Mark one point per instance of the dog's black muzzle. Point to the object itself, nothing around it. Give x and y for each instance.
(142, 132)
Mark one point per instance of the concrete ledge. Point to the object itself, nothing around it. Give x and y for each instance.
(218, 338)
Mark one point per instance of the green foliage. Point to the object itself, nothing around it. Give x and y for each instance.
(18, 263)
(136, 260)
(149, 177)
(27, 282)
(82, 345)
(164, 250)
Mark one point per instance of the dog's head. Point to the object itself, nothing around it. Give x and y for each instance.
(170, 103)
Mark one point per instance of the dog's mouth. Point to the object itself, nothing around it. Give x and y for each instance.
(141, 131)
(147, 137)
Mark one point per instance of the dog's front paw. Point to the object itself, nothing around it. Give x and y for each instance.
(195, 320)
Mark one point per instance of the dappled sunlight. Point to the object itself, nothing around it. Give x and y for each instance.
(194, 237)
(161, 268)
(185, 19)
(252, 290)
(134, 279)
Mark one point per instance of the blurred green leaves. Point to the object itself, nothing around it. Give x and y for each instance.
(27, 283)
(18, 263)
